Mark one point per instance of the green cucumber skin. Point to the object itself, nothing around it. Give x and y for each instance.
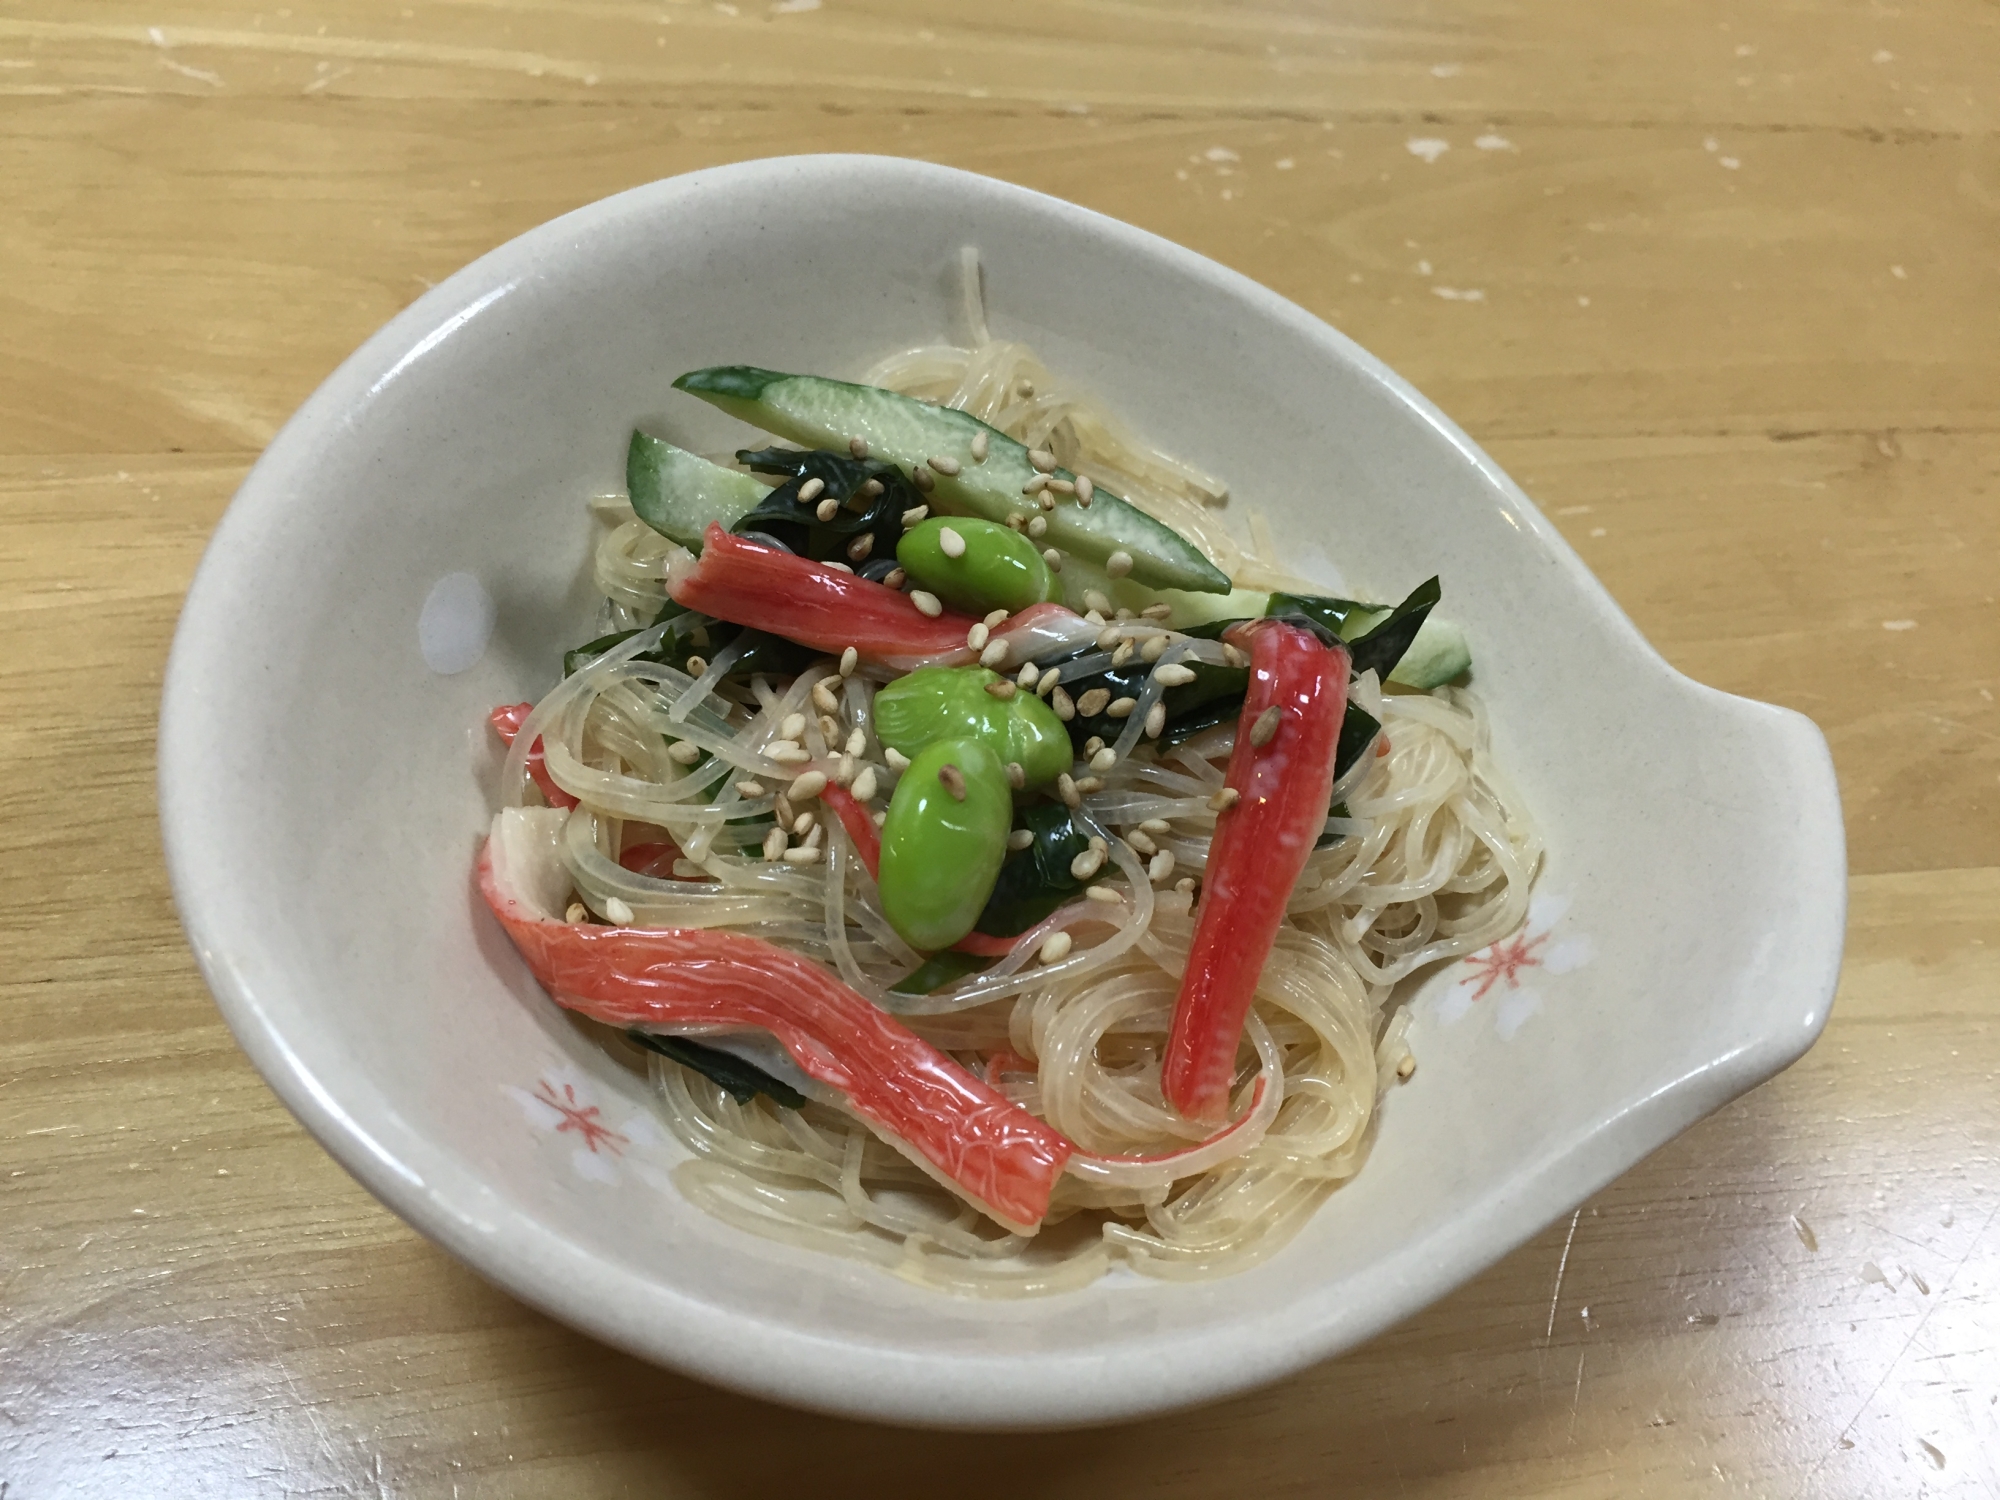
(822, 413)
(1438, 654)
(678, 493)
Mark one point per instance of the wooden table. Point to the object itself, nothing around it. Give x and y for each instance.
(1721, 287)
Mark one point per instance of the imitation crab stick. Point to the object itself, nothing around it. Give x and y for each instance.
(820, 606)
(1282, 773)
(694, 982)
(507, 721)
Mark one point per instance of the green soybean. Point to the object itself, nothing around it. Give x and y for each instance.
(997, 568)
(951, 703)
(943, 842)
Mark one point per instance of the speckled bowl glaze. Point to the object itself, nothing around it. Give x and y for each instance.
(412, 551)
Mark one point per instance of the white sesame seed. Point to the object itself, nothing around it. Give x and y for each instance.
(1225, 799)
(1087, 864)
(1101, 893)
(1038, 526)
(864, 785)
(774, 843)
(1108, 637)
(815, 835)
(1406, 1067)
(1091, 704)
(1141, 841)
(951, 543)
(1066, 789)
(1024, 389)
(880, 818)
(808, 786)
(576, 913)
(823, 699)
(1017, 775)
(861, 546)
(1020, 838)
(1013, 521)
(684, 752)
(1002, 689)
(896, 579)
(1085, 785)
(802, 824)
(895, 759)
(1126, 614)
(1045, 500)
(858, 447)
(1153, 648)
(857, 742)
(785, 753)
(1104, 759)
(1157, 825)
(1053, 559)
(794, 727)
(1234, 657)
(945, 465)
(1047, 682)
(1062, 703)
(1034, 484)
(1084, 489)
(1094, 744)
(927, 604)
(827, 509)
(1161, 866)
(1042, 459)
(975, 638)
(1161, 611)
(994, 618)
(1094, 599)
(1063, 486)
(843, 773)
(1098, 842)
(914, 516)
(870, 488)
(1173, 674)
(1028, 676)
(1119, 563)
(835, 567)
(1185, 885)
(829, 728)
(1156, 721)
(781, 809)
(995, 654)
(979, 446)
(1125, 652)
(952, 780)
(922, 478)
(849, 660)
(1055, 948)
(812, 489)
(806, 855)
(752, 789)
(696, 666)
(618, 912)
(1266, 728)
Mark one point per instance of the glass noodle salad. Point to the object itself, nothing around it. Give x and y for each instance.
(1004, 873)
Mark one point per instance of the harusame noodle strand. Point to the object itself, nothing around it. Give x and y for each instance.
(1434, 860)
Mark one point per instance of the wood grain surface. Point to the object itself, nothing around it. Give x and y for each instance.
(1719, 285)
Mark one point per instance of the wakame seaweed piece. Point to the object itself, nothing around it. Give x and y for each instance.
(1381, 645)
(1211, 682)
(1036, 880)
(1357, 729)
(741, 1080)
(937, 971)
(795, 523)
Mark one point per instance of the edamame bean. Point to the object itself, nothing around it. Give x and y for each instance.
(947, 703)
(943, 843)
(987, 567)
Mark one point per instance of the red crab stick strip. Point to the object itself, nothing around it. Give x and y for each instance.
(822, 607)
(507, 721)
(691, 981)
(1282, 773)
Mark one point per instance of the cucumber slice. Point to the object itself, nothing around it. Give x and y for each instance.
(821, 413)
(1439, 653)
(678, 493)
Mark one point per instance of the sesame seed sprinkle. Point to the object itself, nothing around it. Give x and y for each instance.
(1055, 948)
(951, 543)
(857, 742)
(1020, 838)
(827, 509)
(1066, 789)
(1084, 489)
(1119, 563)
(895, 759)
(1049, 679)
(1161, 866)
(1087, 864)
(858, 447)
(1104, 759)
(914, 516)
(926, 603)
(979, 446)
(861, 546)
(1045, 500)
(1173, 674)
(774, 843)
(1120, 708)
(812, 489)
(870, 488)
(1053, 558)
(952, 780)
(945, 465)
(793, 728)
(1038, 526)
(1017, 775)
(1154, 648)
(578, 911)
(994, 618)
(684, 752)
(1266, 728)
(1042, 459)
(838, 567)
(864, 784)
(975, 638)
(618, 912)
(922, 478)
(1035, 484)
(1157, 825)
(896, 579)
(995, 654)
(1225, 799)
(808, 786)
(1062, 486)
(1062, 703)
(849, 660)
(1156, 721)
(1091, 704)
(1101, 893)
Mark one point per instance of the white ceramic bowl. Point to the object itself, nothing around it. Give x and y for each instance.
(322, 788)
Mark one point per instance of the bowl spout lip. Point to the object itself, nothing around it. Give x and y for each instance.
(1795, 971)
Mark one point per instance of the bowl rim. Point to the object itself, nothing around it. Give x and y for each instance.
(432, 1190)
